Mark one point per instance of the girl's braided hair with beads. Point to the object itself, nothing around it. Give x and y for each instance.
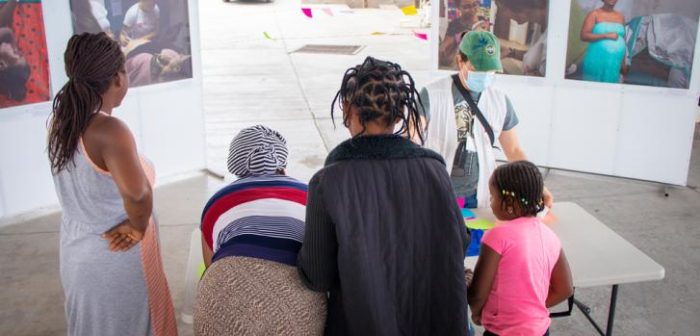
(381, 90)
(520, 183)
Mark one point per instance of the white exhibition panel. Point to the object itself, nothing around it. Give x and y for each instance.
(535, 97)
(629, 131)
(25, 179)
(166, 119)
(653, 129)
(584, 129)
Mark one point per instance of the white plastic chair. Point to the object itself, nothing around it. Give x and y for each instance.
(194, 261)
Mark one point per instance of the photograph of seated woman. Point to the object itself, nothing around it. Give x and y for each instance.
(24, 66)
(153, 34)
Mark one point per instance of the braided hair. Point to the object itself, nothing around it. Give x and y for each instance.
(382, 91)
(92, 62)
(520, 183)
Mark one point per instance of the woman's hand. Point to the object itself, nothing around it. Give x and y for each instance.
(476, 319)
(612, 36)
(547, 198)
(468, 276)
(123, 236)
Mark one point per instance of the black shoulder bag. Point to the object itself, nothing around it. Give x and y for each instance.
(468, 97)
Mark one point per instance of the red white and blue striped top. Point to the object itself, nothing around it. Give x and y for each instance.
(259, 217)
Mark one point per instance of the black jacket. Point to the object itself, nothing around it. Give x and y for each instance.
(385, 236)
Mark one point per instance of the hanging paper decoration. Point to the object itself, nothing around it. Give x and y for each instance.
(307, 12)
(422, 36)
(409, 10)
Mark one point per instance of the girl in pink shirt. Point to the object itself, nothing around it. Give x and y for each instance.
(522, 269)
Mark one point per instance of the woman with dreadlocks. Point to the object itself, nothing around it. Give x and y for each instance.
(384, 235)
(110, 262)
(522, 269)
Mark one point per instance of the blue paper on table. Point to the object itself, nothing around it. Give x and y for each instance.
(468, 214)
(475, 243)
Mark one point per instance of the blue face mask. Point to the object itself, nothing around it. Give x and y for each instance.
(478, 81)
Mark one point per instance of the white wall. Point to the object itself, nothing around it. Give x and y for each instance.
(620, 130)
(166, 119)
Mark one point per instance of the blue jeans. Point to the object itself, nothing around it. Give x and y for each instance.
(470, 202)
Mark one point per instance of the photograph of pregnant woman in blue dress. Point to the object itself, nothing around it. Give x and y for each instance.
(642, 42)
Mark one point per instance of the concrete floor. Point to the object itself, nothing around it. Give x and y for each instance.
(31, 299)
(249, 79)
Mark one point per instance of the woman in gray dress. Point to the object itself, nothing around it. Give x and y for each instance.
(111, 268)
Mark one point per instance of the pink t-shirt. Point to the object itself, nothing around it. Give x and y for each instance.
(516, 304)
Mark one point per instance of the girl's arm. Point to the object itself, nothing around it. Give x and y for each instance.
(484, 274)
(561, 286)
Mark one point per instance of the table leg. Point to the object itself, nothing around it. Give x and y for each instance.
(611, 311)
(587, 313)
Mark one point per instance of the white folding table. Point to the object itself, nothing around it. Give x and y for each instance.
(597, 255)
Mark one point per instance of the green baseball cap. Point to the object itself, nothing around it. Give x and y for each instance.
(482, 49)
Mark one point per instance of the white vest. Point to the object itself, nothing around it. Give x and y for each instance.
(441, 134)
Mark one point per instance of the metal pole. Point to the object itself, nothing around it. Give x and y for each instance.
(611, 312)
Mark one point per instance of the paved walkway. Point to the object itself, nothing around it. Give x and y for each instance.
(250, 79)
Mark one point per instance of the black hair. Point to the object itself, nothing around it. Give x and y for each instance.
(92, 62)
(463, 56)
(13, 82)
(522, 183)
(381, 90)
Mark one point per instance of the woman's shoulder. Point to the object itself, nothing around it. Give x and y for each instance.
(602, 16)
(620, 16)
(108, 131)
(385, 147)
(594, 13)
(108, 124)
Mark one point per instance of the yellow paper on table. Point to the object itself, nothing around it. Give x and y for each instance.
(409, 10)
(479, 224)
(378, 33)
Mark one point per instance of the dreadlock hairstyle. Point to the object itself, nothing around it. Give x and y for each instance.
(381, 90)
(92, 62)
(520, 183)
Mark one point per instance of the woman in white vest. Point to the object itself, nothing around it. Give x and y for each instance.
(467, 118)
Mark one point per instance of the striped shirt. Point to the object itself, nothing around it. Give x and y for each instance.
(259, 217)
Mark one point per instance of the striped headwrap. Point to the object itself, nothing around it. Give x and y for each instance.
(257, 151)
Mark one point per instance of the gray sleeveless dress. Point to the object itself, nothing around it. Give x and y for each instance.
(105, 291)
